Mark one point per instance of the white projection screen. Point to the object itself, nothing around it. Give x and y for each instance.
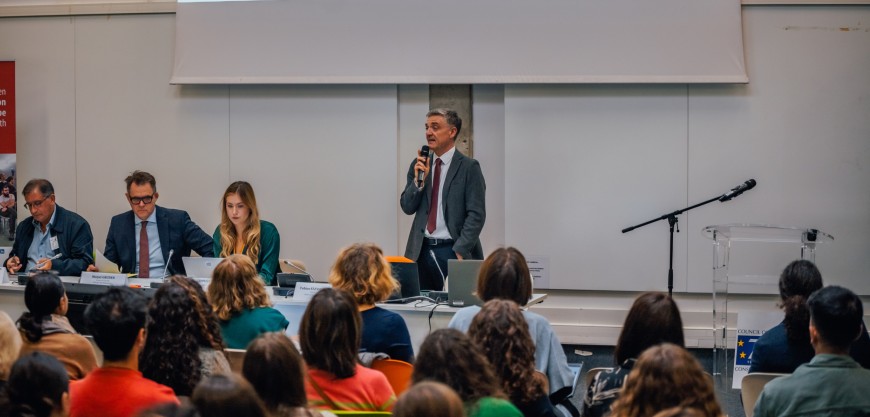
(458, 41)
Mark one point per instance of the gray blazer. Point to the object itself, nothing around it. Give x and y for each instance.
(462, 202)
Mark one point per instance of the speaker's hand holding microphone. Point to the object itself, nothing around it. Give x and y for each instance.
(421, 168)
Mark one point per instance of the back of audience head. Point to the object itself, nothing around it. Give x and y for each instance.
(450, 357)
(653, 318)
(502, 333)
(505, 275)
(236, 286)
(276, 370)
(798, 280)
(38, 386)
(10, 344)
(680, 412)
(227, 396)
(44, 295)
(666, 376)
(429, 399)
(169, 410)
(330, 333)
(181, 322)
(117, 320)
(836, 319)
(362, 271)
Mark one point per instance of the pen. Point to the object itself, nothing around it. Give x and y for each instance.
(41, 264)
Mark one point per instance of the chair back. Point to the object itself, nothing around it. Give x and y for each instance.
(236, 358)
(750, 389)
(398, 373)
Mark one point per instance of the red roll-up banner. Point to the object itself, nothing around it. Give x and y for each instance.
(8, 182)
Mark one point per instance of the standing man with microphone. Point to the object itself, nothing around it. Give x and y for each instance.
(446, 194)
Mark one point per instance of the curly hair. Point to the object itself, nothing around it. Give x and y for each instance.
(181, 321)
(502, 333)
(798, 280)
(653, 318)
(43, 294)
(666, 376)
(450, 357)
(235, 287)
(252, 231)
(362, 271)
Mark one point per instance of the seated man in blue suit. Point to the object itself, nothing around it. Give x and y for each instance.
(145, 250)
(52, 238)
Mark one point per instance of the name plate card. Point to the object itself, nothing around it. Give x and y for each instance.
(305, 290)
(102, 278)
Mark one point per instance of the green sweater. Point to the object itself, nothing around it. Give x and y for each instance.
(245, 326)
(493, 407)
(270, 246)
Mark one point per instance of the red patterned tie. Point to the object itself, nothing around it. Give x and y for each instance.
(433, 206)
(144, 258)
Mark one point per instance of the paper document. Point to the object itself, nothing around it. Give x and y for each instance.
(105, 265)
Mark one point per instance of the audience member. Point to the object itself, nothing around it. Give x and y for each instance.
(163, 229)
(832, 383)
(38, 387)
(242, 232)
(666, 376)
(170, 410)
(330, 335)
(505, 275)
(680, 412)
(787, 345)
(501, 331)
(450, 357)
(241, 303)
(50, 231)
(362, 271)
(10, 345)
(227, 396)
(117, 321)
(184, 341)
(276, 370)
(429, 399)
(45, 328)
(653, 319)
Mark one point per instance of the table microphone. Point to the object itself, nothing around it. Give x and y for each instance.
(166, 268)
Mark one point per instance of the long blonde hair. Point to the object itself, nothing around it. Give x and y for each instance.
(362, 271)
(235, 286)
(252, 229)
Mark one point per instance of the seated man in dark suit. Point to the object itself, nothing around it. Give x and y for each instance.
(146, 250)
(52, 238)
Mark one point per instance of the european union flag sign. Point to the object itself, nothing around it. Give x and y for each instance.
(745, 343)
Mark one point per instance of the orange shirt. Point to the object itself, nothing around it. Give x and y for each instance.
(368, 390)
(116, 392)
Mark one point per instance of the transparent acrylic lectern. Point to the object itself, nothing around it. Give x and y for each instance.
(742, 278)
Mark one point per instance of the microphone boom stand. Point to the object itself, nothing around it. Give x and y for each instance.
(672, 221)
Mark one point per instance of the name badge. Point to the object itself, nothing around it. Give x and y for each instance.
(53, 242)
(305, 290)
(101, 278)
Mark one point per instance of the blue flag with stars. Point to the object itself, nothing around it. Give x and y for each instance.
(745, 344)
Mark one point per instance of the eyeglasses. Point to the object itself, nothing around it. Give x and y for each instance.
(37, 203)
(147, 199)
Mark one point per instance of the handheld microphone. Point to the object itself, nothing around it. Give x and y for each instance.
(736, 191)
(428, 152)
(166, 268)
